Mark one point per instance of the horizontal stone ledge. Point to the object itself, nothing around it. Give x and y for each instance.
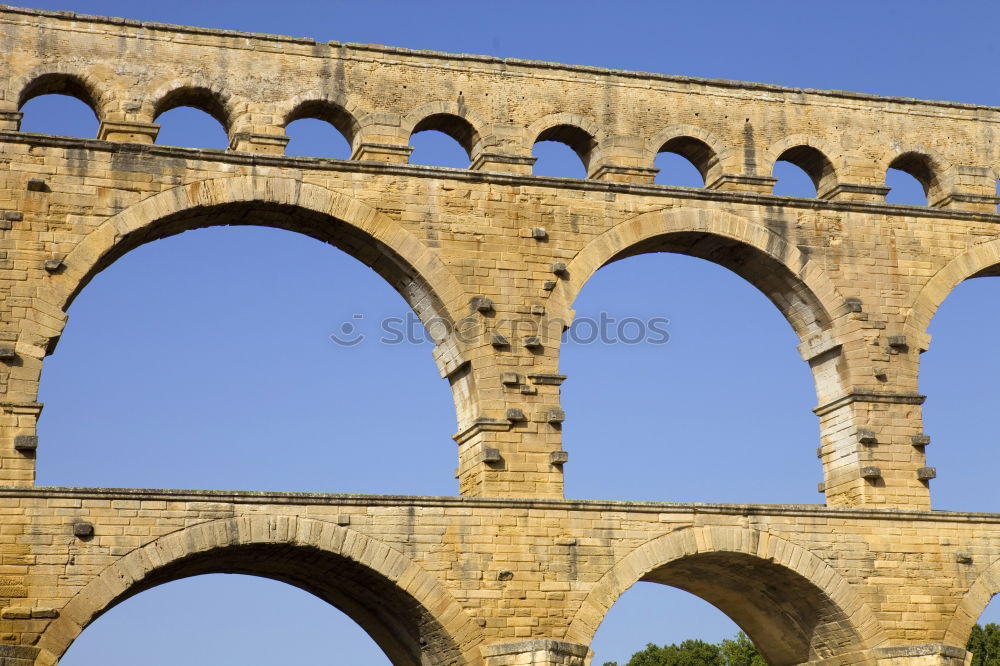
(547, 378)
(34, 408)
(870, 396)
(536, 645)
(493, 177)
(924, 650)
(481, 424)
(249, 497)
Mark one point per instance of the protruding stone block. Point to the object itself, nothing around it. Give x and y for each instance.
(920, 440)
(491, 455)
(871, 473)
(83, 529)
(555, 415)
(53, 264)
(558, 457)
(499, 340)
(926, 473)
(539, 233)
(515, 414)
(510, 378)
(559, 268)
(866, 436)
(25, 443)
(37, 185)
(897, 341)
(481, 304)
(532, 342)
(7, 354)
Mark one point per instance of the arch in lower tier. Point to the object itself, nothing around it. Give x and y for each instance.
(411, 616)
(794, 606)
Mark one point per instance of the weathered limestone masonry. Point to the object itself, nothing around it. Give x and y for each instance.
(491, 259)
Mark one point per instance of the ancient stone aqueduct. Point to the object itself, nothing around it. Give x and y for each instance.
(508, 572)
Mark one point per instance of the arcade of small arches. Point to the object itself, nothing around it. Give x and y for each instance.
(708, 154)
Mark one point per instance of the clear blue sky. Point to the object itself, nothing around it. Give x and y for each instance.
(193, 360)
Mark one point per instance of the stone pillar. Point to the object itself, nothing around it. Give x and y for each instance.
(10, 120)
(622, 160)
(973, 189)
(732, 182)
(19, 442)
(512, 457)
(538, 652)
(510, 418)
(382, 152)
(128, 131)
(503, 162)
(855, 192)
(264, 144)
(872, 448)
(382, 139)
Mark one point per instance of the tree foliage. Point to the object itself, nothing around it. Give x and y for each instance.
(738, 651)
(984, 644)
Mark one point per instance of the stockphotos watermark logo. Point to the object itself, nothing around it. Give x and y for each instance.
(410, 330)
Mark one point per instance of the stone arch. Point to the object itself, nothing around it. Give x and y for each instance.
(197, 91)
(789, 601)
(978, 261)
(581, 134)
(702, 148)
(63, 81)
(812, 155)
(334, 109)
(369, 236)
(972, 605)
(934, 173)
(454, 119)
(413, 618)
(799, 289)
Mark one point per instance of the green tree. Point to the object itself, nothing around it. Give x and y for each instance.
(984, 644)
(739, 651)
